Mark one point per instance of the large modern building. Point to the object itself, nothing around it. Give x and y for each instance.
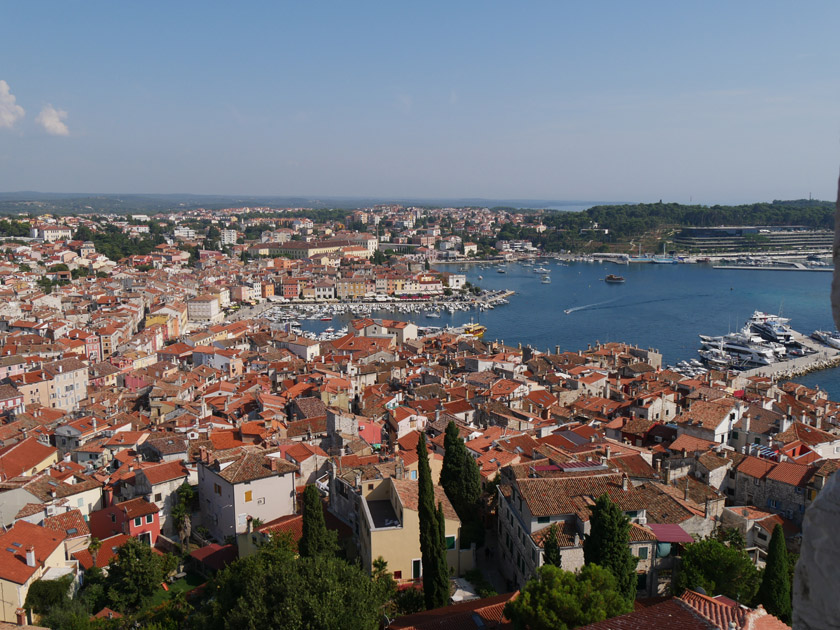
(743, 237)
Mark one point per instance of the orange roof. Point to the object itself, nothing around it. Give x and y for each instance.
(13, 545)
(22, 457)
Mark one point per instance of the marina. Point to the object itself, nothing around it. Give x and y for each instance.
(669, 305)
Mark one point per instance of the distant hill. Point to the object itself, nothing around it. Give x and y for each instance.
(86, 203)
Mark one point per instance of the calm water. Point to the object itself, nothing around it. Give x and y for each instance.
(663, 307)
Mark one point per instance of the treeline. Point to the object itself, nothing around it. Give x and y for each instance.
(571, 230)
(112, 242)
(14, 228)
(635, 219)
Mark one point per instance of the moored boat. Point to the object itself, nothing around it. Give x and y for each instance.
(614, 279)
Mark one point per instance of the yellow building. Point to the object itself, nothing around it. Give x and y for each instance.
(27, 553)
(389, 525)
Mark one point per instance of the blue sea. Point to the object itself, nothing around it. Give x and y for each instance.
(663, 307)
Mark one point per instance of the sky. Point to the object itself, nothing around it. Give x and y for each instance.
(710, 102)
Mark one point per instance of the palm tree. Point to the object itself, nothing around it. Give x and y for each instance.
(94, 547)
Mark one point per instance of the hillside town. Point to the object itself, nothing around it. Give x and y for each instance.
(136, 361)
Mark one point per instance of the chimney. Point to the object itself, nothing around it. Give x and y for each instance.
(30, 556)
(273, 464)
(202, 453)
(624, 482)
(685, 492)
(708, 511)
(607, 451)
(20, 616)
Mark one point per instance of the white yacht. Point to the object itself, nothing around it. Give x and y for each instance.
(828, 338)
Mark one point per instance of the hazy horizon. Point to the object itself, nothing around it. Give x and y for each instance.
(712, 103)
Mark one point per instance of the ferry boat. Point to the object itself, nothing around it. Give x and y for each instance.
(474, 330)
(614, 279)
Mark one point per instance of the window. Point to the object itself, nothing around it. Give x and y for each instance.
(248, 496)
(543, 519)
(217, 488)
(261, 501)
(80, 502)
(150, 518)
(416, 569)
(138, 522)
(756, 481)
(641, 584)
(450, 542)
(732, 474)
(643, 553)
(397, 575)
(799, 490)
(158, 497)
(734, 435)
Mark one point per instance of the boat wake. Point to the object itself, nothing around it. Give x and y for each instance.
(605, 305)
(588, 306)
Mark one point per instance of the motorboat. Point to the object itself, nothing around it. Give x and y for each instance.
(614, 279)
(828, 338)
(771, 327)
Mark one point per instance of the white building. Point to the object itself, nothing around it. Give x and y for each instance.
(248, 485)
(205, 309)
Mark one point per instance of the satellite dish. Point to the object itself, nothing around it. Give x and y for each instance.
(700, 590)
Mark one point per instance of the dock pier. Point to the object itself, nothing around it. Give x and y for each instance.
(823, 358)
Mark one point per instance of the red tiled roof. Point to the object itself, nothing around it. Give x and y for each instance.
(70, 524)
(13, 545)
(165, 472)
(22, 457)
(479, 613)
(109, 549)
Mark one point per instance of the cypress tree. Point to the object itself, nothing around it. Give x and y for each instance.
(452, 472)
(460, 478)
(551, 547)
(316, 539)
(608, 545)
(774, 592)
(432, 540)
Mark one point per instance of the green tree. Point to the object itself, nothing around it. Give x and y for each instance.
(731, 537)
(551, 547)
(273, 589)
(44, 595)
(432, 541)
(70, 616)
(774, 592)
(134, 575)
(316, 539)
(717, 569)
(182, 513)
(461, 480)
(459, 476)
(608, 545)
(45, 284)
(559, 600)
